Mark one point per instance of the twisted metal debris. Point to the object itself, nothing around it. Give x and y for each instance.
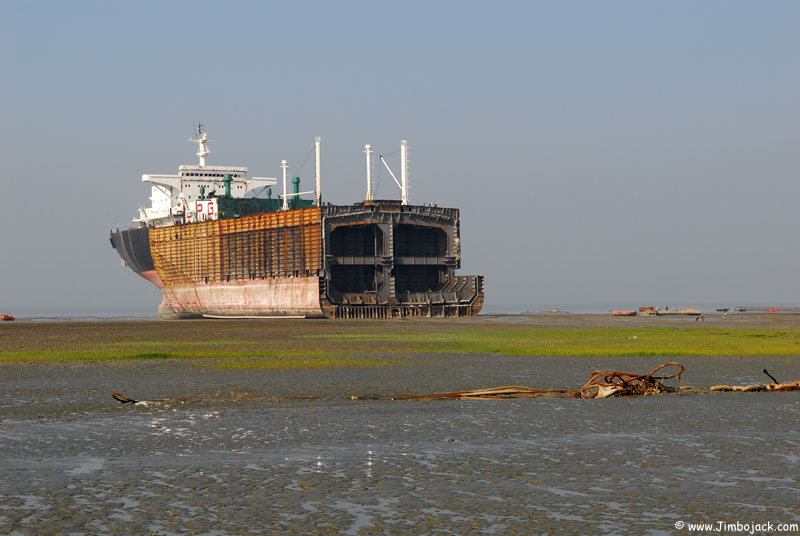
(601, 384)
(605, 383)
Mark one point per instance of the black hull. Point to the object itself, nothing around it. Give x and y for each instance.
(133, 245)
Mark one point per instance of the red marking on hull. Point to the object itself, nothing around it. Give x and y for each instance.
(153, 277)
(290, 296)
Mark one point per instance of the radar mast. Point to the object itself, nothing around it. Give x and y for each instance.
(202, 144)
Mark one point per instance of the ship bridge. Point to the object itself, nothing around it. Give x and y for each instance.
(174, 197)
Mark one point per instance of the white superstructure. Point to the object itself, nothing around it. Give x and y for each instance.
(178, 197)
(191, 195)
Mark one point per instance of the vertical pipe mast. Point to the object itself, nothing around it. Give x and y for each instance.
(319, 171)
(368, 150)
(285, 167)
(404, 170)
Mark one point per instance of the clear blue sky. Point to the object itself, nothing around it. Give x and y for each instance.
(600, 152)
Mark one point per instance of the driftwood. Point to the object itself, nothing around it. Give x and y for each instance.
(602, 384)
(791, 386)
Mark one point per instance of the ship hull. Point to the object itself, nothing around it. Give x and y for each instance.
(279, 297)
(133, 246)
(348, 262)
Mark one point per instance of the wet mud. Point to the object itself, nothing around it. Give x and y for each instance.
(245, 458)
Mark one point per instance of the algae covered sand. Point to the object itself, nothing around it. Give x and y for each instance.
(272, 344)
(601, 342)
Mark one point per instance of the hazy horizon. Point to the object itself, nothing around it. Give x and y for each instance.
(600, 153)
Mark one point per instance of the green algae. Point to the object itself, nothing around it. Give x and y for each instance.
(609, 342)
(348, 347)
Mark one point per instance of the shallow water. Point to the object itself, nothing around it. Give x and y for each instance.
(526, 466)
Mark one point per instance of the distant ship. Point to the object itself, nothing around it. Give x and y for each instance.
(218, 244)
(655, 311)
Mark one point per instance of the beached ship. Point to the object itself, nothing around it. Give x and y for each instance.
(218, 244)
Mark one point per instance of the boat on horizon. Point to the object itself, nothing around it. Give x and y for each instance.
(650, 310)
(8, 318)
(623, 313)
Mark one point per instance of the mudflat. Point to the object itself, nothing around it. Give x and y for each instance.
(290, 334)
(82, 363)
(57, 335)
(255, 430)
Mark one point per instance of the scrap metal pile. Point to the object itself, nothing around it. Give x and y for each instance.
(606, 384)
(602, 384)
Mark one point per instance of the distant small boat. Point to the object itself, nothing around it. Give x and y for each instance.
(8, 318)
(554, 310)
(775, 310)
(690, 311)
(723, 309)
(623, 313)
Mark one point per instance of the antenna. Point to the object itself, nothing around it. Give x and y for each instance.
(202, 144)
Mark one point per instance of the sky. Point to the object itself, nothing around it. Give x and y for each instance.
(607, 153)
